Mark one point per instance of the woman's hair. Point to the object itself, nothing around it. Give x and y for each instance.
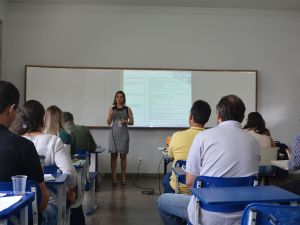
(256, 123)
(119, 92)
(31, 118)
(53, 120)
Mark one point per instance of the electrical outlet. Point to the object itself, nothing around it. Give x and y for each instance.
(140, 159)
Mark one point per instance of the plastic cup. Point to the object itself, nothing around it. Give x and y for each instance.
(19, 184)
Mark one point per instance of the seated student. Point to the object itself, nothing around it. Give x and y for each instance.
(48, 145)
(256, 127)
(54, 124)
(181, 141)
(294, 164)
(83, 138)
(17, 154)
(222, 151)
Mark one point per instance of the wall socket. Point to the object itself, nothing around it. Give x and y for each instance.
(140, 159)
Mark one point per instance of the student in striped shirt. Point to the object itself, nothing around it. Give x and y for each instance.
(294, 164)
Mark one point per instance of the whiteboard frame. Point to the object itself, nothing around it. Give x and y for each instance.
(140, 68)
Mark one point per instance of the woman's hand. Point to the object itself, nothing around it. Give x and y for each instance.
(123, 122)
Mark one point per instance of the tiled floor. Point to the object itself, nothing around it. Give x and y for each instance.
(126, 205)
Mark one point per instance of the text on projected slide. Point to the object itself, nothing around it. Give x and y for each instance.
(158, 98)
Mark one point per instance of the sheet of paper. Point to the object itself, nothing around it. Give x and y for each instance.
(6, 202)
(48, 177)
(2, 194)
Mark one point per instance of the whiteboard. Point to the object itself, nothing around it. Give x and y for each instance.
(88, 92)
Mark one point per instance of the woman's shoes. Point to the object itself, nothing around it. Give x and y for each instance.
(123, 182)
(114, 183)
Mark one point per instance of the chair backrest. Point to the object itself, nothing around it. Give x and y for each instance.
(181, 179)
(31, 186)
(51, 169)
(214, 182)
(270, 214)
(267, 155)
(180, 163)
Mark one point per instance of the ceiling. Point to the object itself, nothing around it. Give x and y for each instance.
(233, 4)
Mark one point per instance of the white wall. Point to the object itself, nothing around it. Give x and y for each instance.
(161, 37)
(2, 26)
(2, 9)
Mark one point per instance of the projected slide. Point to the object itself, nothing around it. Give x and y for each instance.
(158, 98)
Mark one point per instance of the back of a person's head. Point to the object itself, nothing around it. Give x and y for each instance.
(68, 117)
(231, 107)
(53, 120)
(9, 95)
(31, 117)
(256, 122)
(200, 112)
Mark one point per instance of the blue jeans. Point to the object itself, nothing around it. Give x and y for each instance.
(166, 183)
(173, 208)
(49, 214)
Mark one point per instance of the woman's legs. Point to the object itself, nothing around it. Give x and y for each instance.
(123, 167)
(113, 160)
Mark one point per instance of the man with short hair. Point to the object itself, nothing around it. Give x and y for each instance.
(222, 151)
(83, 139)
(18, 155)
(181, 142)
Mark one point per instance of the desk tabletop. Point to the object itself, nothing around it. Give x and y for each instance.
(98, 150)
(243, 195)
(179, 171)
(26, 199)
(282, 164)
(59, 179)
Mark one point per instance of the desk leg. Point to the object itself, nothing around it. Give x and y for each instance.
(96, 170)
(165, 167)
(252, 218)
(3, 222)
(24, 216)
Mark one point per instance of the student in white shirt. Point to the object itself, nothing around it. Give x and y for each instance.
(31, 126)
(223, 151)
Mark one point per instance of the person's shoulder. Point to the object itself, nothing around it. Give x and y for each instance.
(80, 127)
(20, 141)
(17, 138)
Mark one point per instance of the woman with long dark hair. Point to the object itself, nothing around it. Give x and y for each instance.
(256, 126)
(119, 116)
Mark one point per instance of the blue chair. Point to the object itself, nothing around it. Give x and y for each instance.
(270, 214)
(51, 169)
(181, 178)
(213, 182)
(31, 186)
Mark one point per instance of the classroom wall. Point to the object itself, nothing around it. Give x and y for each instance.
(2, 25)
(164, 37)
(2, 9)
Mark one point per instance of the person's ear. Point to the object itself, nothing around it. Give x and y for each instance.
(11, 109)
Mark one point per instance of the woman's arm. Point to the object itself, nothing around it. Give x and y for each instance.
(63, 161)
(110, 116)
(272, 142)
(44, 196)
(130, 117)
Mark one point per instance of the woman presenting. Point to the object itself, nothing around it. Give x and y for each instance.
(120, 116)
